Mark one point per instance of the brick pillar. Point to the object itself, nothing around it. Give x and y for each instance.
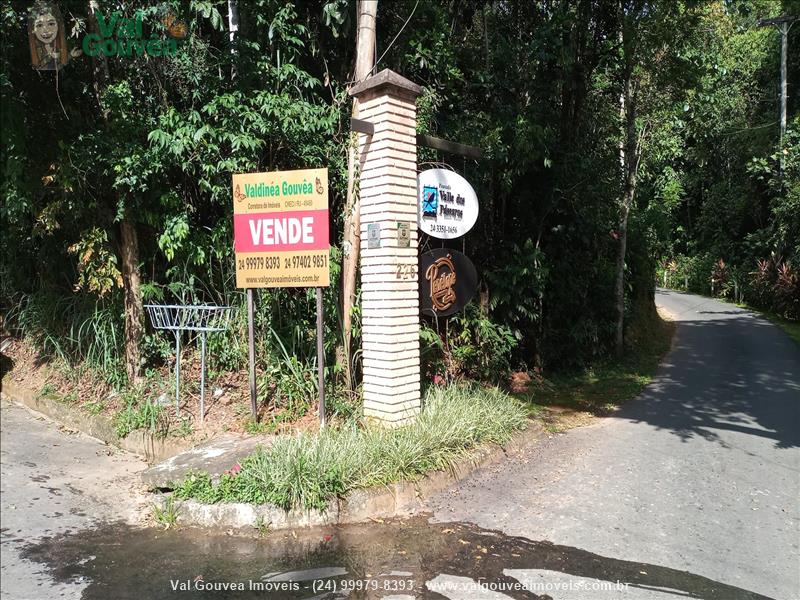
(389, 293)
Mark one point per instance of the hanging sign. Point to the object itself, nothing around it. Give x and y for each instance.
(280, 229)
(447, 282)
(448, 206)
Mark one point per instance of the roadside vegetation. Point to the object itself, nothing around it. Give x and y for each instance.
(571, 398)
(166, 514)
(790, 327)
(149, 405)
(769, 286)
(621, 142)
(309, 470)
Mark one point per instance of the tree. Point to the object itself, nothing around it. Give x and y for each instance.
(653, 77)
(630, 152)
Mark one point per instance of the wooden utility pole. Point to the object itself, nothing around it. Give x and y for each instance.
(365, 62)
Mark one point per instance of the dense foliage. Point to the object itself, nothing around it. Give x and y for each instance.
(112, 155)
(730, 187)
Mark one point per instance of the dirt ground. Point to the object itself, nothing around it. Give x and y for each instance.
(227, 397)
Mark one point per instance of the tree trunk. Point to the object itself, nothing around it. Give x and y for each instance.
(233, 28)
(134, 311)
(129, 242)
(365, 61)
(619, 284)
(630, 154)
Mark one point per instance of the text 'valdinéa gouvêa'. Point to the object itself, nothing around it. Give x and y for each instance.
(261, 190)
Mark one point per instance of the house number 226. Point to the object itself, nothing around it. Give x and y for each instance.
(406, 271)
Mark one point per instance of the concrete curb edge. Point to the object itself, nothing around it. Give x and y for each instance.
(141, 443)
(396, 500)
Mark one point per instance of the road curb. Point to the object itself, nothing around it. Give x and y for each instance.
(141, 443)
(395, 500)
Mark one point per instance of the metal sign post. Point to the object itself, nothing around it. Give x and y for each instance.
(251, 353)
(321, 357)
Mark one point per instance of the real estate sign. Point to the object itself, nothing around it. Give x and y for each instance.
(280, 229)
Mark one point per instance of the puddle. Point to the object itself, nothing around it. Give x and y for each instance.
(394, 560)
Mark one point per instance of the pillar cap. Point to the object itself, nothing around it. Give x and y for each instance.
(393, 82)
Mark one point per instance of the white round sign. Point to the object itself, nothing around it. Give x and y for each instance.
(448, 206)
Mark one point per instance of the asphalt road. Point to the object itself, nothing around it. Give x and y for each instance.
(691, 490)
(701, 473)
(53, 482)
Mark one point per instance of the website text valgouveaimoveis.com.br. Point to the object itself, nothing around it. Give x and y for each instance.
(283, 279)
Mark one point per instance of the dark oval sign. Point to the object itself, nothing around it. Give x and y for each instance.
(447, 282)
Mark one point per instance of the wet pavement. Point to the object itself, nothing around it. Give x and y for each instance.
(700, 473)
(397, 559)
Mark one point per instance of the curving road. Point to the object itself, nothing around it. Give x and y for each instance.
(690, 491)
(701, 473)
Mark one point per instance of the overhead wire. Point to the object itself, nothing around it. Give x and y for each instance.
(413, 10)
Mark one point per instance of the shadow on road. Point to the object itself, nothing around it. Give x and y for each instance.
(728, 370)
(120, 562)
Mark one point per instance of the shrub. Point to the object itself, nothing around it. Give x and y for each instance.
(735, 284)
(773, 285)
(787, 291)
(761, 282)
(720, 277)
(309, 470)
(688, 273)
(76, 329)
(475, 347)
(483, 348)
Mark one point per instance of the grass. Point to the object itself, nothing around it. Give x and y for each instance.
(48, 389)
(276, 420)
(94, 407)
(75, 329)
(603, 386)
(308, 470)
(167, 513)
(262, 527)
(140, 414)
(185, 429)
(790, 327)
(254, 427)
